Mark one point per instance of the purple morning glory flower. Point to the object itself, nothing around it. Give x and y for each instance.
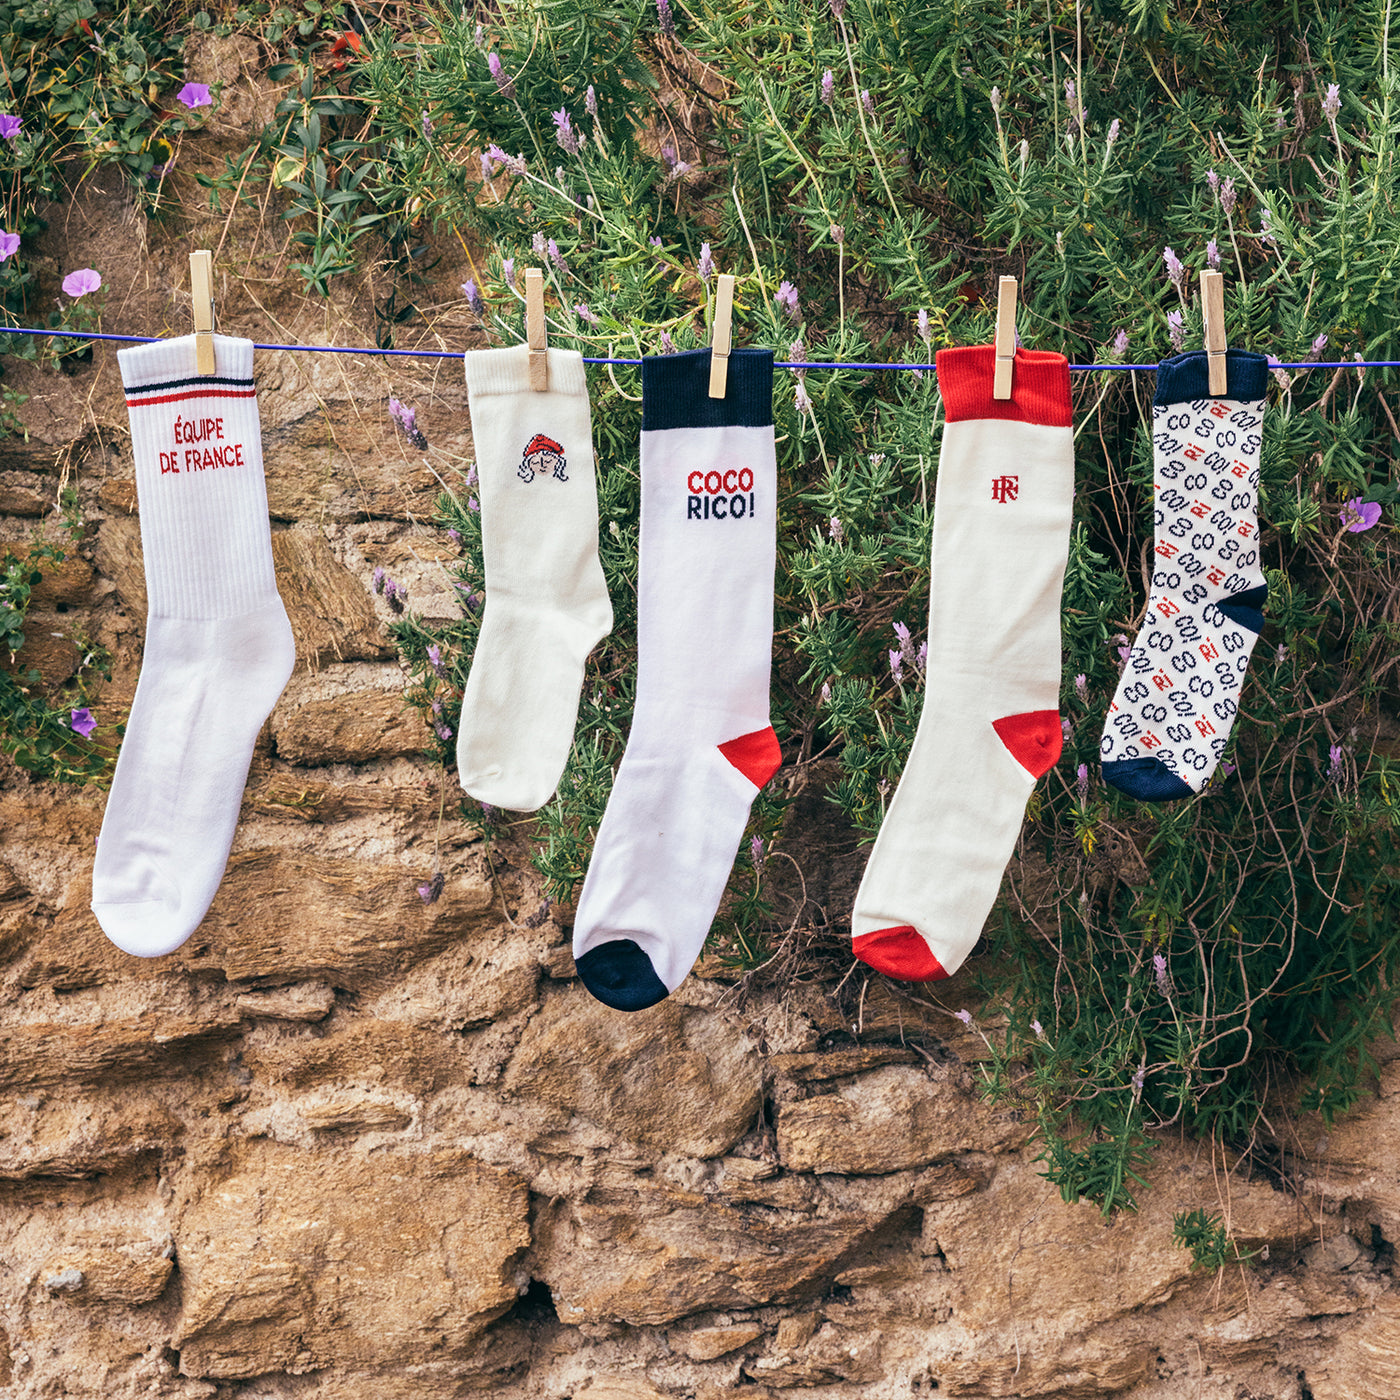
(9, 126)
(83, 723)
(81, 282)
(195, 95)
(1358, 515)
(9, 244)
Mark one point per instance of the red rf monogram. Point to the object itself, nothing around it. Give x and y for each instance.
(1006, 488)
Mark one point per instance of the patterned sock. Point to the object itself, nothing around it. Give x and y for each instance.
(546, 599)
(218, 646)
(1176, 701)
(990, 724)
(701, 745)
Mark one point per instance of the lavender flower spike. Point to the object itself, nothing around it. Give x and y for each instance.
(564, 132)
(706, 266)
(1175, 271)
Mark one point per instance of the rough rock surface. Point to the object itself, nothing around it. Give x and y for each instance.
(349, 1145)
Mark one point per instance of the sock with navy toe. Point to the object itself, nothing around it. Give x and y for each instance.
(701, 745)
(990, 724)
(1170, 720)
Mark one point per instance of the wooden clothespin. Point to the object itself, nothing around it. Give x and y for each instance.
(202, 289)
(723, 335)
(1005, 347)
(535, 336)
(1213, 325)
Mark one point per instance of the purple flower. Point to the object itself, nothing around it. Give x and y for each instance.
(1227, 770)
(924, 333)
(1213, 255)
(838, 7)
(1081, 688)
(9, 245)
(395, 594)
(828, 88)
(668, 346)
(556, 257)
(1038, 1029)
(479, 38)
(1332, 103)
(787, 298)
(472, 505)
(473, 296)
(867, 102)
(826, 693)
(488, 812)
(564, 132)
(503, 83)
(706, 266)
(1066, 730)
(488, 170)
(454, 536)
(1114, 127)
(590, 102)
(1119, 348)
(838, 234)
(1266, 225)
(756, 852)
(1081, 783)
(901, 631)
(582, 311)
(81, 282)
(515, 164)
(377, 579)
(1281, 655)
(1319, 345)
(195, 95)
(836, 531)
(964, 1016)
(431, 892)
(508, 271)
(996, 99)
(897, 666)
(406, 418)
(1227, 195)
(436, 662)
(1335, 757)
(1069, 92)
(921, 657)
(82, 723)
(1358, 515)
(801, 401)
(1139, 1075)
(537, 243)
(1176, 332)
(1160, 974)
(1175, 271)
(536, 919)
(1284, 379)
(1213, 180)
(1121, 642)
(666, 18)
(9, 126)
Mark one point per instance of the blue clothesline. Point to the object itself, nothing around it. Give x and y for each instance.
(604, 360)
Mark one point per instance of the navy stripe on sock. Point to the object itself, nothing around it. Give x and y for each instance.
(620, 975)
(1183, 378)
(1147, 779)
(676, 391)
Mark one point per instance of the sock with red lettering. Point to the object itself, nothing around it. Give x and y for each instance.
(701, 745)
(1176, 701)
(546, 597)
(990, 724)
(218, 647)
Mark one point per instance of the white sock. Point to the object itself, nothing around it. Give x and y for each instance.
(1177, 697)
(701, 745)
(990, 724)
(546, 598)
(218, 647)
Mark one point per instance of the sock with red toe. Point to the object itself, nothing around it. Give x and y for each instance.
(701, 745)
(990, 724)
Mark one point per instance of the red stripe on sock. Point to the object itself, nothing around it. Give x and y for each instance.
(196, 394)
(757, 755)
(1034, 739)
(1039, 386)
(899, 953)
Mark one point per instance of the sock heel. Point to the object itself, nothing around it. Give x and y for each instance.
(899, 953)
(757, 756)
(1247, 608)
(1034, 739)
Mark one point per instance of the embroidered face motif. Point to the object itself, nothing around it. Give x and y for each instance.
(542, 457)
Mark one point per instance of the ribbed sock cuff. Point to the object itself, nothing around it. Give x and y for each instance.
(1039, 386)
(172, 363)
(1184, 378)
(507, 371)
(676, 391)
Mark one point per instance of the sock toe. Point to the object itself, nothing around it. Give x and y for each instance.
(1148, 779)
(144, 929)
(899, 953)
(620, 975)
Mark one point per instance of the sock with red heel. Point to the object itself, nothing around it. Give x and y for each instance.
(990, 724)
(701, 745)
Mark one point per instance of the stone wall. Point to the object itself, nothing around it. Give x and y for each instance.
(348, 1145)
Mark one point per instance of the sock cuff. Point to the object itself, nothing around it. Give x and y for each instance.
(167, 367)
(1184, 378)
(676, 391)
(1039, 386)
(506, 370)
